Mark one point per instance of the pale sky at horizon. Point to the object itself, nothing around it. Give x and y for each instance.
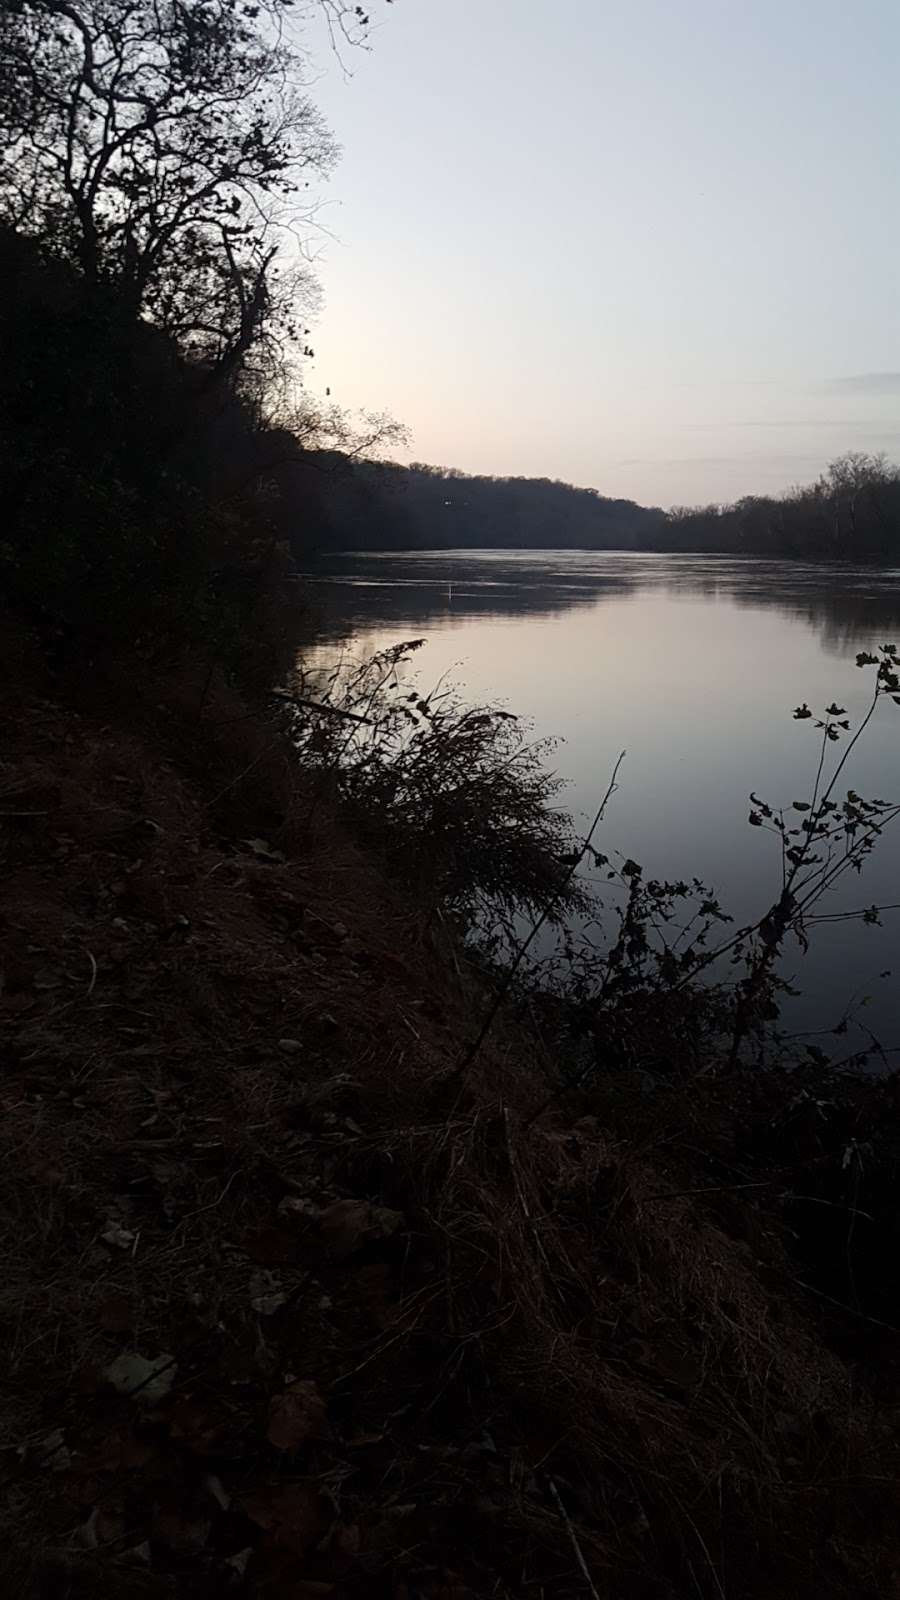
(650, 247)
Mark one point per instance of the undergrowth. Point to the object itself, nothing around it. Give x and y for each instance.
(459, 798)
(464, 806)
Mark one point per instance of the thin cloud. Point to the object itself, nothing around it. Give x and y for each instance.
(780, 423)
(752, 458)
(867, 383)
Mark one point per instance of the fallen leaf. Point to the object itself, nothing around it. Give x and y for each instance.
(50, 1455)
(294, 1208)
(370, 1289)
(296, 1415)
(179, 1533)
(138, 1555)
(18, 1003)
(215, 1487)
(48, 978)
(115, 1234)
(266, 1293)
(347, 1224)
(84, 1492)
(240, 1562)
(105, 1525)
(262, 848)
(201, 1426)
(149, 1381)
(267, 1304)
(271, 1247)
(115, 1313)
(345, 1540)
(293, 1515)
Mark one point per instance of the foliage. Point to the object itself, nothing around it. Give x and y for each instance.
(641, 971)
(456, 796)
(168, 151)
(650, 977)
(822, 840)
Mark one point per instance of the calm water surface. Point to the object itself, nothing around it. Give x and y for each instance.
(693, 665)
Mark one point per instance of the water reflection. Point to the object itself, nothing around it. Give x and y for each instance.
(693, 665)
(842, 605)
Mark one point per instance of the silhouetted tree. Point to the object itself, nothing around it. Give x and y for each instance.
(851, 513)
(161, 146)
(152, 154)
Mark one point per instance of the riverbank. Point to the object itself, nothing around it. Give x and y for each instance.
(293, 1308)
(694, 667)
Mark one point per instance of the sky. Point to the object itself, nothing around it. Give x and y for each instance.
(648, 246)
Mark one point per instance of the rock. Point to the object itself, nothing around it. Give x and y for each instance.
(290, 1047)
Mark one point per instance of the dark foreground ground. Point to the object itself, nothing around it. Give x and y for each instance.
(290, 1311)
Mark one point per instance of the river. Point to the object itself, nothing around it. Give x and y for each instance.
(693, 665)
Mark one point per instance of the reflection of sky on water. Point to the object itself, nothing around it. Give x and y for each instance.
(444, 589)
(693, 665)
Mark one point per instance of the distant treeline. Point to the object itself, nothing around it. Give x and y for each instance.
(851, 513)
(371, 507)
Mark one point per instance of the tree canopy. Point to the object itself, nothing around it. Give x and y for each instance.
(166, 148)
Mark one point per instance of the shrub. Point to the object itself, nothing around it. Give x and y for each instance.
(458, 797)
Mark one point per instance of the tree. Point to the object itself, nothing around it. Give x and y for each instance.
(164, 146)
(856, 470)
(852, 488)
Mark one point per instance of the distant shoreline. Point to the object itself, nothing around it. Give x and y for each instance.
(411, 551)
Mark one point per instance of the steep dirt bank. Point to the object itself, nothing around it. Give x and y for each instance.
(288, 1314)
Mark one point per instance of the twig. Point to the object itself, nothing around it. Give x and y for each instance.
(520, 1190)
(266, 751)
(556, 896)
(850, 1310)
(574, 1539)
(764, 1183)
(316, 705)
(712, 1188)
(93, 975)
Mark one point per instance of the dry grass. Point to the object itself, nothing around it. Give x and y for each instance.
(553, 1323)
(693, 1417)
